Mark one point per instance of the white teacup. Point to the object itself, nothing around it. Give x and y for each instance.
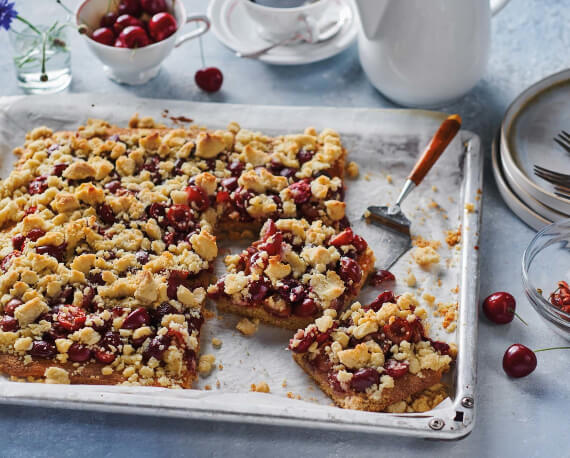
(279, 23)
(136, 66)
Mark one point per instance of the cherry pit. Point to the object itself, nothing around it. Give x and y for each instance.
(135, 24)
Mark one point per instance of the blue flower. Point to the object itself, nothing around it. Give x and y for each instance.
(7, 13)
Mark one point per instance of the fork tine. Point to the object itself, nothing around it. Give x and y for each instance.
(565, 196)
(548, 172)
(564, 136)
(566, 133)
(565, 182)
(563, 145)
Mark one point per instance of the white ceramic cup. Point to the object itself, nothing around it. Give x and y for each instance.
(275, 24)
(136, 66)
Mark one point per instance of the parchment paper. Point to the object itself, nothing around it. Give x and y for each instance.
(382, 142)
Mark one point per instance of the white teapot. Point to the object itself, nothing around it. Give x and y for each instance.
(425, 52)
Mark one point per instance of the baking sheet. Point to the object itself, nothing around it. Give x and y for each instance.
(385, 144)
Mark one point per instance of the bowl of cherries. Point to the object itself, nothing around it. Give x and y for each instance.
(132, 37)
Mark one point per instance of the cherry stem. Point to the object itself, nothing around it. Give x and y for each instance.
(519, 317)
(202, 52)
(552, 348)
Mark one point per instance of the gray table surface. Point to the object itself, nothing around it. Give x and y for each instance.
(525, 417)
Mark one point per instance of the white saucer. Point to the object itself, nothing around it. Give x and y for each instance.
(233, 27)
(518, 207)
(527, 138)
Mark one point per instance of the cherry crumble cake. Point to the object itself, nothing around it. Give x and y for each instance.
(107, 244)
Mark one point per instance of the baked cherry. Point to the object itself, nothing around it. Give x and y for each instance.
(343, 238)
(383, 298)
(395, 369)
(132, 7)
(236, 167)
(519, 361)
(135, 37)
(380, 276)
(38, 185)
(12, 305)
(109, 19)
(350, 271)
(198, 196)
(156, 348)
(78, 353)
(230, 183)
(8, 323)
(306, 308)
(300, 191)
(272, 245)
(73, 319)
(58, 169)
(57, 251)
(305, 156)
(161, 26)
(124, 21)
(43, 349)
(105, 357)
(359, 243)
(500, 308)
(305, 341)
(35, 234)
(364, 378)
(222, 196)
(136, 319)
(105, 213)
(399, 330)
(180, 217)
(104, 35)
(18, 242)
(209, 79)
(153, 6)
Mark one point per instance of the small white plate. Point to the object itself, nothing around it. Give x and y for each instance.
(527, 137)
(517, 206)
(233, 27)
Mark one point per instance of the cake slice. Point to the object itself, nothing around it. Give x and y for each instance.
(294, 272)
(370, 357)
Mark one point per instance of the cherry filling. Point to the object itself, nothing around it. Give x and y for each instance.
(380, 276)
(7, 261)
(156, 347)
(136, 319)
(236, 167)
(43, 349)
(157, 211)
(58, 169)
(383, 298)
(343, 238)
(56, 251)
(350, 272)
(175, 279)
(9, 323)
(78, 353)
(305, 156)
(399, 330)
(106, 214)
(300, 191)
(272, 245)
(72, 319)
(113, 186)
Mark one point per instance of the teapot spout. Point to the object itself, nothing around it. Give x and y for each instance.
(371, 13)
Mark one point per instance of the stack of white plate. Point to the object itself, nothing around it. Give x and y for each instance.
(526, 139)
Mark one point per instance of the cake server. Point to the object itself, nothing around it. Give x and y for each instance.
(392, 219)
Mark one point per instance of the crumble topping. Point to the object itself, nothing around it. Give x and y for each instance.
(247, 327)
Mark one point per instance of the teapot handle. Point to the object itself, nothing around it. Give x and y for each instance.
(498, 5)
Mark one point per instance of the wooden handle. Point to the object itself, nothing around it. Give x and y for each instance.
(436, 147)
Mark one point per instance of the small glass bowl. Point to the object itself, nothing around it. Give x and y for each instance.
(545, 262)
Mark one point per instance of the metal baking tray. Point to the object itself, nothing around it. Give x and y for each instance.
(385, 144)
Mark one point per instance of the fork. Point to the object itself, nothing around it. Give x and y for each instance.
(561, 181)
(563, 139)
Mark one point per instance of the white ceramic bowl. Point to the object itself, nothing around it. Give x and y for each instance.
(136, 66)
(275, 24)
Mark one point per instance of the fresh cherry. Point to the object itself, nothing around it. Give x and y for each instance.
(161, 26)
(209, 79)
(132, 7)
(134, 37)
(500, 308)
(125, 21)
(109, 19)
(153, 6)
(519, 361)
(104, 35)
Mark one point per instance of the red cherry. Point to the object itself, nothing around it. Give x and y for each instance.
(519, 361)
(380, 276)
(209, 79)
(134, 37)
(153, 6)
(395, 369)
(73, 319)
(104, 35)
(132, 7)
(198, 196)
(500, 307)
(307, 308)
(343, 238)
(120, 43)
(161, 26)
(108, 20)
(125, 21)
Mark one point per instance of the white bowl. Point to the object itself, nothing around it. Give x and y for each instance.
(136, 66)
(274, 24)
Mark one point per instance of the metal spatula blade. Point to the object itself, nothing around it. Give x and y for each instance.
(397, 239)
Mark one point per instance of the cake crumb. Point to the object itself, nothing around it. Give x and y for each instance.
(247, 327)
(221, 366)
(367, 215)
(367, 177)
(217, 343)
(453, 237)
(434, 188)
(411, 280)
(208, 387)
(449, 313)
(419, 241)
(389, 179)
(284, 383)
(469, 207)
(425, 256)
(218, 384)
(206, 364)
(352, 169)
(262, 387)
